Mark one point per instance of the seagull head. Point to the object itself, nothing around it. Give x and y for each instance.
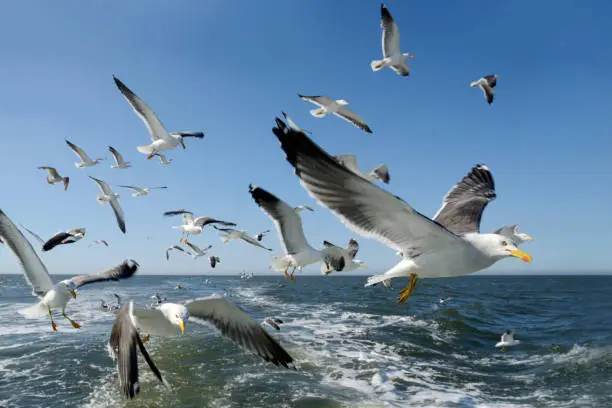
(70, 287)
(498, 246)
(176, 314)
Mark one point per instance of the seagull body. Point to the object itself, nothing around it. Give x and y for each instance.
(85, 160)
(230, 234)
(507, 340)
(141, 192)
(54, 177)
(109, 197)
(450, 245)
(119, 162)
(348, 253)
(59, 238)
(487, 84)
(160, 138)
(336, 107)
(162, 159)
(378, 173)
(214, 260)
(392, 57)
(512, 233)
(193, 226)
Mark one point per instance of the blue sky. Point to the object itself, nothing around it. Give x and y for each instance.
(230, 67)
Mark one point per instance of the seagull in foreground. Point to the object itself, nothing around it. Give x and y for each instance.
(99, 241)
(273, 322)
(292, 124)
(214, 260)
(59, 238)
(140, 192)
(337, 107)
(507, 340)
(393, 58)
(193, 226)
(178, 248)
(449, 246)
(162, 159)
(487, 84)
(261, 235)
(297, 251)
(230, 234)
(54, 177)
(52, 296)
(197, 251)
(348, 253)
(119, 162)
(161, 139)
(378, 173)
(85, 160)
(512, 232)
(109, 196)
(169, 319)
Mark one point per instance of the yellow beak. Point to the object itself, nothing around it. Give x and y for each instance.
(522, 255)
(530, 239)
(411, 56)
(73, 293)
(182, 327)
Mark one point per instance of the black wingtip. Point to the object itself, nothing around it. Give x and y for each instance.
(367, 129)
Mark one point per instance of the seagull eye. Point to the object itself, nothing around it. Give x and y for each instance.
(505, 243)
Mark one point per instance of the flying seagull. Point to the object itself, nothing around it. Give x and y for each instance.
(512, 232)
(392, 55)
(99, 241)
(85, 160)
(54, 177)
(169, 319)
(109, 196)
(178, 248)
(140, 192)
(337, 107)
(292, 124)
(261, 235)
(119, 162)
(452, 246)
(378, 173)
(507, 340)
(297, 252)
(161, 139)
(487, 84)
(214, 260)
(348, 253)
(273, 322)
(197, 251)
(230, 234)
(193, 226)
(52, 296)
(162, 159)
(59, 238)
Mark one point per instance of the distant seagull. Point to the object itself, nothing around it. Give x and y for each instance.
(487, 84)
(99, 241)
(85, 160)
(123, 343)
(162, 159)
(59, 238)
(176, 247)
(197, 251)
(140, 192)
(507, 340)
(378, 173)
(391, 47)
(52, 296)
(54, 177)
(162, 140)
(193, 226)
(337, 108)
(512, 233)
(297, 253)
(273, 322)
(119, 162)
(261, 235)
(292, 124)
(109, 196)
(214, 260)
(348, 254)
(158, 299)
(442, 300)
(230, 234)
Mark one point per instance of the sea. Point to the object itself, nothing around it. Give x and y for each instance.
(353, 346)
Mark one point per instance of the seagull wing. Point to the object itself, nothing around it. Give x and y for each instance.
(286, 220)
(382, 172)
(38, 238)
(118, 214)
(391, 36)
(321, 101)
(197, 249)
(78, 151)
(144, 111)
(103, 186)
(247, 238)
(124, 270)
(353, 248)
(488, 92)
(118, 158)
(34, 270)
(350, 162)
(199, 135)
(362, 206)
(463, 205)
(138, 189)
(353, 118)
(203, 221)
(52, 172)
(235, 324)
(55, 240)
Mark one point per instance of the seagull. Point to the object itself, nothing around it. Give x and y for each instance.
(161, 139)
(442, 300)
(378, 173)
(162, 159)
(292, 124)
(52, 296)
(158, 299)
(85, 160)
(54, 177)
(214, 260)
(197, 251)
(337, 107)
(348, 253)
(261, 235)
(487, 83)
(297, 252)
(450, 245)
(59, 238)
(507, 340)
(170, 318)
(140, 192)
(194, 226)
(178, 248)
(119, 162)
(511, 232)
(99, 241)
(390, 46)
(123, 343)
(273, 322)
(109, 196)
(231, 234)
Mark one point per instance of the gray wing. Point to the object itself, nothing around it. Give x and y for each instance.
(390, 39)
(488, 92)
(116, 155)
(133, 188)
(124, 270)
(382, 173)
(247, 238)
(353, 118)
(197, 248)
(322, 101)
(352, 248)
(103, 186)
(198, 135)
(463, 205)
(176, 212)
(491, 80)
(171, 248)
(293, 125)
(56, 240)
(34, 270)
(52, 171)
(38, 238)
(78, 151)
(235, 324)
(350, 162)
(118, 214)
(227, 230)
(203, 221)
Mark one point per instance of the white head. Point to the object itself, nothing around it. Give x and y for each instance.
(342, 102)
(360, 263)
(69, 287)
(407, 55)
(496, 246)
(176, 314)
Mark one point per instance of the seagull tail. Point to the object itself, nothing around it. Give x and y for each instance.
(386, 277)
(148, 149)
(318, 113)
(473, 84)
(279, 263)
(377, 65)
(34, 311)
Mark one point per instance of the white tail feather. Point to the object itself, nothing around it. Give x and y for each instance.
(148, 149)
(37, 310)
(318, 113)
(377, 65)
(279, 263)
(372, 280)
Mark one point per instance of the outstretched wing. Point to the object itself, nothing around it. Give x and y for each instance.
(118, 158)
(124, 270)
(103, 186)
(52, 172)
(391, 36)
(78, 151)
(203, 221)
(353, 118)
(38, 238)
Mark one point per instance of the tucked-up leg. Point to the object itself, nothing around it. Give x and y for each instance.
(406, 292)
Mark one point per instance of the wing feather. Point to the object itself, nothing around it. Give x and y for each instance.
(124, 270)
(78, 151)
(391, 36)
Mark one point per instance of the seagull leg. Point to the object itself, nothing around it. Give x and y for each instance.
(292, 272)
(502, 349)
(145, 338)
(408, 291)
(74, 324)
(286, 269)
(52, 322)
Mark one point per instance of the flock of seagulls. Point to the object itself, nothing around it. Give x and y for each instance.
(448, 244)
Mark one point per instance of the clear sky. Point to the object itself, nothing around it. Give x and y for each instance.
(229, 67)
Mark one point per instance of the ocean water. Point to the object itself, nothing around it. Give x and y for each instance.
(354, 346)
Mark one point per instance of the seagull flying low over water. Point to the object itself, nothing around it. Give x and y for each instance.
(450, 245)
(119, 162)
(52, 296)
(214, 260)
(230, 234)
(487, 84)
(378, 173)
(54, 177)
(140, 192)
(349, 253)
(59, 238)
(85, 160)
(162, 159)
(507, 340)
(392, 55)
(193, 226)
(109, 197)
(161, 139)
(337, 107)
(512, 232)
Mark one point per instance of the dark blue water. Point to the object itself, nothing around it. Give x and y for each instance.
(354, 346)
